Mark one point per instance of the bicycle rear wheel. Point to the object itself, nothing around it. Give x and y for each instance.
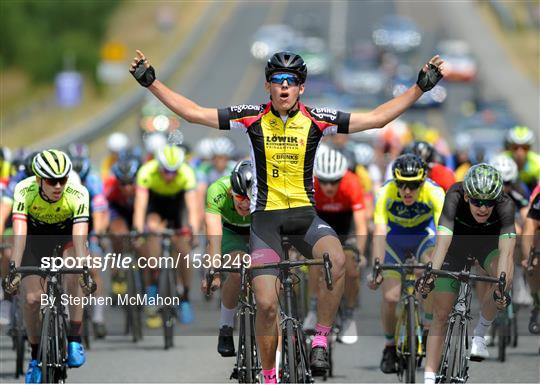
(410, 368)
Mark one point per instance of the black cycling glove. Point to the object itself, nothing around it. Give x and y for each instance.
(145, 76)
(427, 80)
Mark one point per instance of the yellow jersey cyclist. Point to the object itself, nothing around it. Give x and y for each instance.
(519, 142)
(284, 135)
(48, 210)
(165, 187)
(407, 210)
(227, 219)
(478, 221)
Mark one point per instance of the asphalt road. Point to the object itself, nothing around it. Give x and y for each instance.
(194, 357)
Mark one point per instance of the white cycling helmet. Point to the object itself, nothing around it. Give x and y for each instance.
(170, 158)
(507, 167)
(520, 135)
(223, 146)
(330, 165)
(154, 142)
(205, 148)
(364, 154)
(117, 142)
(51, 164)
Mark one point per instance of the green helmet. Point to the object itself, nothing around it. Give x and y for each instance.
(483, 181)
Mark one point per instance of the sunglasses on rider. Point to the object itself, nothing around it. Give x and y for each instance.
(409, 185)
(483, 202)
(240, 198)
(515, 147)
(327, 182)
(292, 79)
(54, 182)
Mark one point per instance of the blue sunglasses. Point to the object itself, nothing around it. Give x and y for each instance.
(292, 79)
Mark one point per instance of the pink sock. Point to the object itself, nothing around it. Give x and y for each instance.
(269, 376)
(321, 332)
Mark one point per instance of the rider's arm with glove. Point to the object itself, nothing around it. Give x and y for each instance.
(428, 77)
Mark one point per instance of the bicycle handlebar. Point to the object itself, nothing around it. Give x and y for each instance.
(283, 265)
(87, 281)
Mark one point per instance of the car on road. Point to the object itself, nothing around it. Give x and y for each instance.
(397, 33)
(459, 63)
(272, 38)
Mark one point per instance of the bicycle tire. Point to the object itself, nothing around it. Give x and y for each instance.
(410, 368)
(502, 337)
(166, 289)
(255, 358)
(133, 314)
(46, 348)
(248, 352)
(19, 339)
(458, 352)
(86, 329)
(444, 373)
(289, 354)
(241, 354)
(515, 333)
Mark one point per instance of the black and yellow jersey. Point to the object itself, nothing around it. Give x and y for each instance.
(50, 218)
(283, 149)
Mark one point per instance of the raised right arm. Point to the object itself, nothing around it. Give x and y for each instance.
(180, 105)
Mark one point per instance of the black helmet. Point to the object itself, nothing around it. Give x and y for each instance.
(125, 169)
(286, 62)
(81, 165)
(409, 168)
(424, 150)
(242, 178)
(28, 163)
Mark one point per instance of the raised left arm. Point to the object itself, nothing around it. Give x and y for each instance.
(428, 77)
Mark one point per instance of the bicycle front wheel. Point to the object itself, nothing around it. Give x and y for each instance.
(290, 372)
(410, 375)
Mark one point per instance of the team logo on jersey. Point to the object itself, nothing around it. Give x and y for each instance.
(285, 157)
(281, 139)
(322, 113)
(241, 107)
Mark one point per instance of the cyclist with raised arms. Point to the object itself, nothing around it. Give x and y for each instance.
(48, 210)
(477, 221)
(227, 221)
(284, 135)
(407, 210)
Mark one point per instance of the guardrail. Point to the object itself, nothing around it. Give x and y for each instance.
(93, 128)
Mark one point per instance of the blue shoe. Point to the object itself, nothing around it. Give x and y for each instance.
(186, 313)
(76, 355)
(151, 291)
(33, 374)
